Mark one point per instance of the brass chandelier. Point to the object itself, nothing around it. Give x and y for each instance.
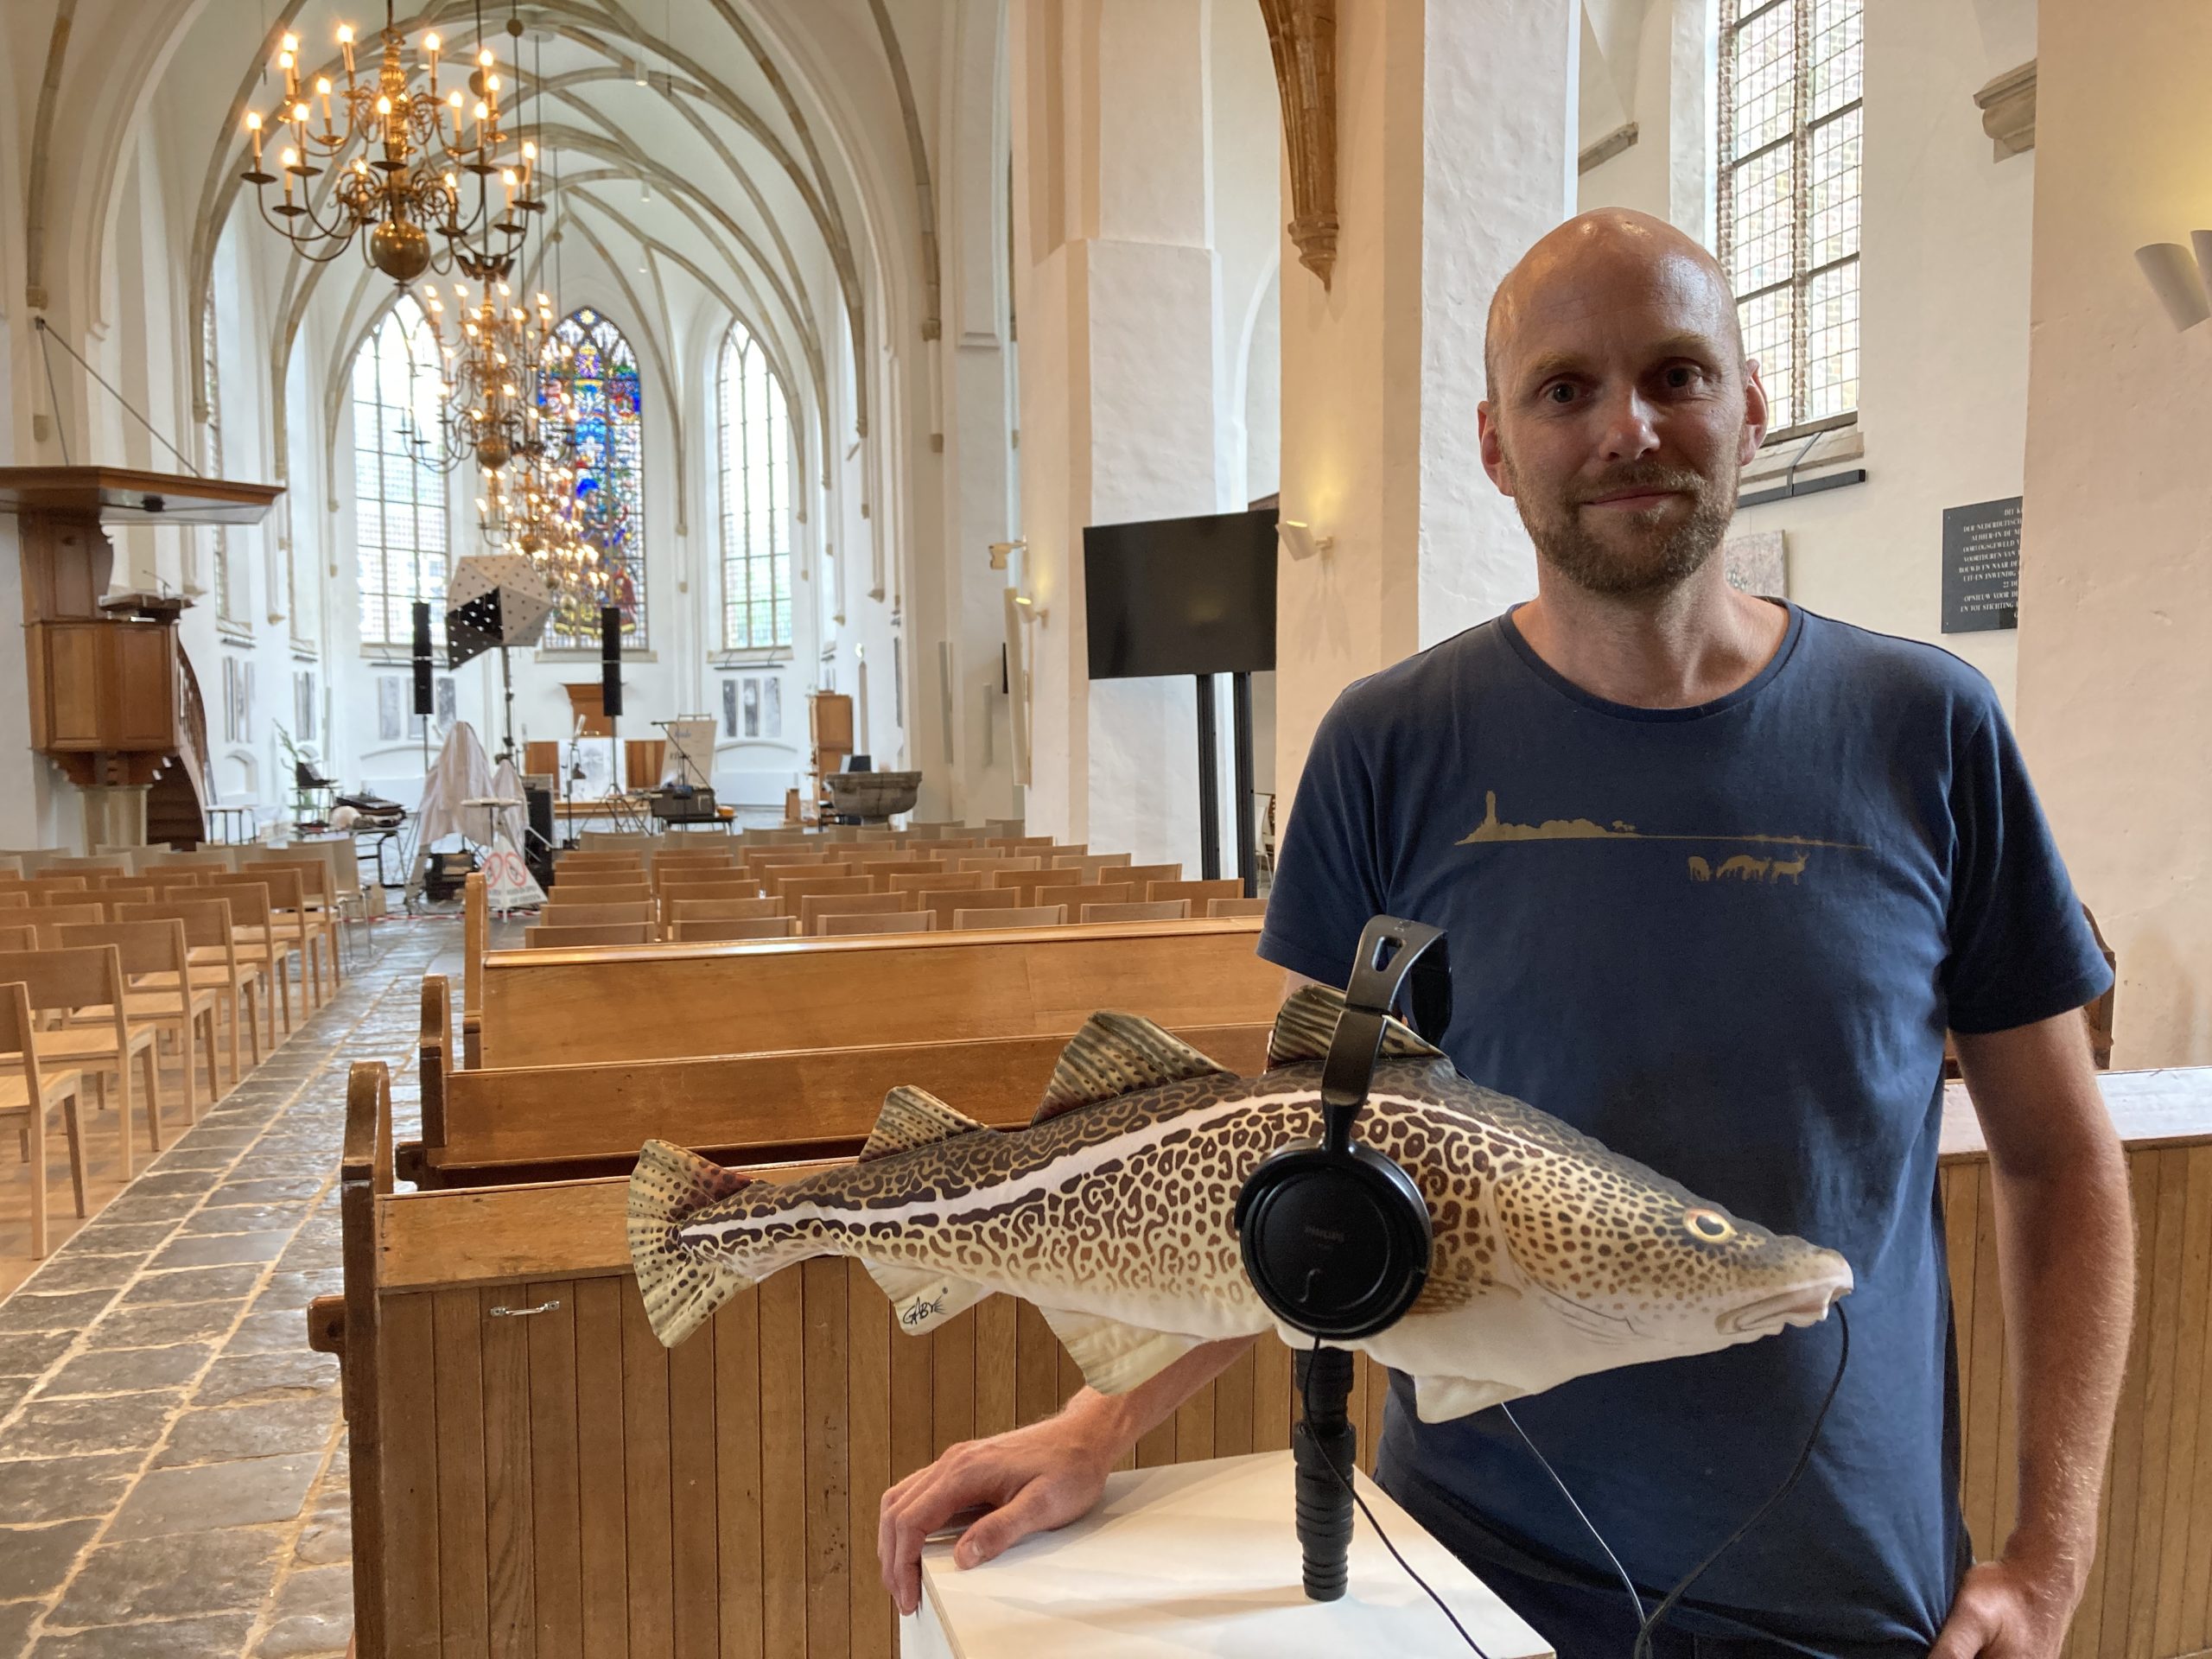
(489, 395)
(402, 179)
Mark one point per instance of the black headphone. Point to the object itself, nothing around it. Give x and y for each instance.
(1335, 1236)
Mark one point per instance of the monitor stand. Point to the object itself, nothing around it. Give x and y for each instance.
(1210, 786)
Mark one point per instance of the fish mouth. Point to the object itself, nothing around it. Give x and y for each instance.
(1805, 1304)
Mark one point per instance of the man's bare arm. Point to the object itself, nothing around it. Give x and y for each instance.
(1038, 1477)
(2066, 1268)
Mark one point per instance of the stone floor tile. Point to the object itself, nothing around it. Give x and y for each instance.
(247, 1377)
(246, 1492)
(184, 1638)
(14, 1390)
(70, 1310)
(137, 1206)
(298, 1289)
(129, 1370)
(172, 1577)
(327, 1539)
(259, 1190)
(171, 1184)
(101, 1237)
(76, 1270)
(29, 1353)
(63, 1488)
(216, 1434)
(220, 1250)
(117, 1422)
(277, 1331)
(34, 1560)
(191, 1285)
(16, 1619)
(189, 1154)
(150, 1324)
(241, 1218)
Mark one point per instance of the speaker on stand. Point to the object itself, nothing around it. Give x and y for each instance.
(425, 702)
(610, 690)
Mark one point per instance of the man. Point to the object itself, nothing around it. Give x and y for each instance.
(1718, 876)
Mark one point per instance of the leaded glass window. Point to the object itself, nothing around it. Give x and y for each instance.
(1791, 132)
(600, 372)
(230, 607)
(399, 503)
(756, 474)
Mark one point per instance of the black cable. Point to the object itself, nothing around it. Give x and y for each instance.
(46, 333)
(1306, 1401)
(1648, 1623)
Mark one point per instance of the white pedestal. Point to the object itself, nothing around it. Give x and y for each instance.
(1201, 1559)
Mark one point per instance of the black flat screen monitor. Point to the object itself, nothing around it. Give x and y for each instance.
(1181, 595)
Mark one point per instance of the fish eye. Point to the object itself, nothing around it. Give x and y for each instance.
(1710, 1225)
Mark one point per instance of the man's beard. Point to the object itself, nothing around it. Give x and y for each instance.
(1661, 562)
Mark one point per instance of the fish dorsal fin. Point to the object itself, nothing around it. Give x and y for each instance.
(913, 1117)
(1308, 1023)
(1116, 1054)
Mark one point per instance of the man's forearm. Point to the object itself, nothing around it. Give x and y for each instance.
(2066, 1261)
(1120, 1420)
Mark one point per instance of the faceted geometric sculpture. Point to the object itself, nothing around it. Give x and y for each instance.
(495, 598)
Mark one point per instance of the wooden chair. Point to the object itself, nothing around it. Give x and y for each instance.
(318, 911)
(27, 1091)
(64, 983)
(883, 875)
(553, 937)
(737, 928)
(1025, 843)
(1198, 892)
(1142, 876)
(600, 892)
(733, 884)
(710, 908)
(1027, 883)
(604, 841)
(1170, 910)
(22, 935)
(629, 913)
(992, 863)
(47, 918)
(612, 875)
(157, 950)
(207, 858)
(691, 858)
(213, 956)
(815, 907)
(569, 863)
(258, 940)
(14, 899)
(11, 865)
(946, 903)
(794, 890)
(98, 864)
(289, 914)
(1014, 916)
(1090, 864)
(890, 921)
(969, 880)
(1238, 905)
(1117, 892)
(44, 887)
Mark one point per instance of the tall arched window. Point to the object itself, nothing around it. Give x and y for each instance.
(399, 503)
(756, 470)
(600, 372)
(230, 572)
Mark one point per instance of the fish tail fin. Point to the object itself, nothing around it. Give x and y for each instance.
(682, 1286)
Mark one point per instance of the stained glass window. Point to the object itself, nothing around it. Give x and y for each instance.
(600, 373)
(756, 471)
(399, 503)
(1790, 129)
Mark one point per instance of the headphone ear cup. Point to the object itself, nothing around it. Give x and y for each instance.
(1337, 1244)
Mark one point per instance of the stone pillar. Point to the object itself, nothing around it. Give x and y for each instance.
(1455, 134)
(1115, 284)
(2115, 649)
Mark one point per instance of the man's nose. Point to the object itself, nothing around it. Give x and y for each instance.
(1630, 430)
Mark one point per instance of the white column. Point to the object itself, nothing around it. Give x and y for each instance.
(2115, 649)
(1455, 133)
(1115, 280)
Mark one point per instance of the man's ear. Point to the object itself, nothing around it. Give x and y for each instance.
(1493, 447)
(1755, 413)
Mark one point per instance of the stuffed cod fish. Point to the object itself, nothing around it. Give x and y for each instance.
(1111, 1212)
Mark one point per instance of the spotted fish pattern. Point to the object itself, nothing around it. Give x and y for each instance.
(1112, 1213)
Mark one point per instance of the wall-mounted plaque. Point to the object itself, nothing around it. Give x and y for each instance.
(1981, 566)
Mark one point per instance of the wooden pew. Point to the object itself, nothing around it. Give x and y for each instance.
(564, 1007)
(543, 1123)
(526, 1456)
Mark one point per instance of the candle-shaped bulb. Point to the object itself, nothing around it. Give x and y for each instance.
(292, 42)
(345, 34)
(431, 44)
(384, 105)
(291, 158)
(322, 85)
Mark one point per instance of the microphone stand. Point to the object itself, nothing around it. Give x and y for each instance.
(1324, 1446)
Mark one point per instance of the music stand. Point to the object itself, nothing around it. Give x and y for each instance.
(692, 738)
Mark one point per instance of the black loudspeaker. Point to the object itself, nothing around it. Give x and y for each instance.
(425, 700)
(610, 659)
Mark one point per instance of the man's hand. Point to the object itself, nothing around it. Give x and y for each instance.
(1031, 1480)
(2006, 1610)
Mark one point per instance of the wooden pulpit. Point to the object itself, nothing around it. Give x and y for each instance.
(113, 699)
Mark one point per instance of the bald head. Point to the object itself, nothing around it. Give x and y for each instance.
(1609, 254)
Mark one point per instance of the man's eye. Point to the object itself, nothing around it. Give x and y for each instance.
(1560, 393)
(1680, 376)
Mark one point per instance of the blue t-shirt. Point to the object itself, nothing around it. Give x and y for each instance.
(1725, 941)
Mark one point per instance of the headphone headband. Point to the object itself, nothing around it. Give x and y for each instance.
(1391, 949)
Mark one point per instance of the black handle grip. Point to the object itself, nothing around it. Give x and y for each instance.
(1324, 1447)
